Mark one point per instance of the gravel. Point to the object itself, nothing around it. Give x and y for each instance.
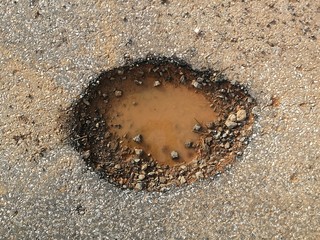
(138, 138)
(197, 127)
(138, 151)
(50, 51)
(174, 155)
(241, 115)
(118, 93)
(231, 121)
(196, 84)
(157, 83)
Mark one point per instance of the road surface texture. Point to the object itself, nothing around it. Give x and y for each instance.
(49, 52)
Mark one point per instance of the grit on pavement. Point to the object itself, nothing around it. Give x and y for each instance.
(49, 52)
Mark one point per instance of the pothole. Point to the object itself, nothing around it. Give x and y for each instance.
(158, 123)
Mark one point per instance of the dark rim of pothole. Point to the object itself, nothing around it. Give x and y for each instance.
(219, 144)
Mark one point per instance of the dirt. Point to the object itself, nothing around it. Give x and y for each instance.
(127, 101)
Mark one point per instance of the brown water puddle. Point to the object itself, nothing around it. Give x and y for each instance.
(164, 115)
(162, 100)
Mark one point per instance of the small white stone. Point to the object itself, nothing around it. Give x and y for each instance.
(118, 93)
(86, 102)
(199, 175)
(138, 82)
(157, 83)
(241, 115)
(197, 127)
(141, 177)
(231, 121)
(138, 138)
(144, 166)
(182, 180)
(138, 151)
(174, 155)
(162, 179)
(196, 84)
(138, 186)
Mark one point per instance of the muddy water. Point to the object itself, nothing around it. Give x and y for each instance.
(164, 115)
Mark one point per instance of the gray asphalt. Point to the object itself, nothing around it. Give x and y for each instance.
(49, 51)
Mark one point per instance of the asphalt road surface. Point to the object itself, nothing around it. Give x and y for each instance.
(49, 52)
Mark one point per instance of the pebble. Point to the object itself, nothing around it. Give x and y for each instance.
(138, 151)
(188, 144)
(86, 154)
(144, 166)
(231, 121)
(138, 82)
(217, 136)
(138, 138)
(174, 155)
(232, 117)
(200, 79)
(241, 115)
(118, 93)
(157, 83)
(199, 175)
(86, 102)
(208, 140)
(255, 110)
(203, 165)
(162, 179)
(197, 127)
(227, 145)
(182, 79)
(182, 180)
(183, 167)
(138, 186)
(141, 177)
(196, 84)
